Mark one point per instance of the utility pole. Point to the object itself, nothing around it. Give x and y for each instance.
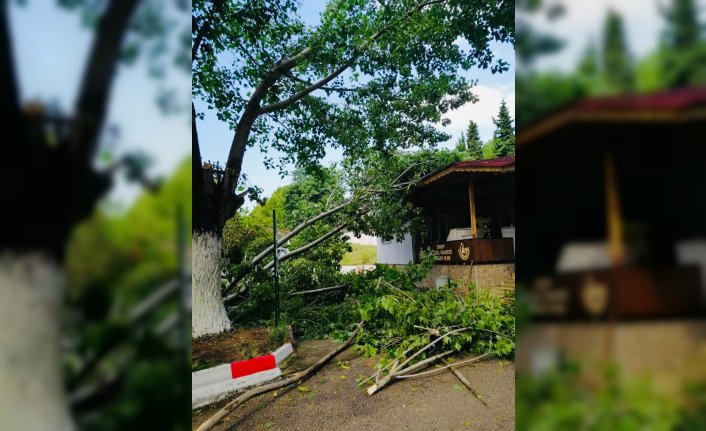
(276, 274)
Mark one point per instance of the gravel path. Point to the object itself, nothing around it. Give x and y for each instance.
(331, 400)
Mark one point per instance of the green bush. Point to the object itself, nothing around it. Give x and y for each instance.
(399, 318)
(560, 399)
(397, 315)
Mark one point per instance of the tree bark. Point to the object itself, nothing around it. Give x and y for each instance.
(208, 311)
(31, 302)
(94, 95)
(228, 201)
(34, 177)
(12, 115)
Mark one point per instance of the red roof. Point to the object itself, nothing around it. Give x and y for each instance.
(478, 167)
(667, 107)
(670, 100)
(494, 163)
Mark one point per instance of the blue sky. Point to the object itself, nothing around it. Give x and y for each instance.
(583, 23)
(215, 137)
(51, 48)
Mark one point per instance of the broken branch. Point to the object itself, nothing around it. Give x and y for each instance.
(426, 373)
(304, 248)
(394, 374)
(324, 289)
(466, 383)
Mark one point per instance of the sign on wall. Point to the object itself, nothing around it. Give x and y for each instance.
(472, 250)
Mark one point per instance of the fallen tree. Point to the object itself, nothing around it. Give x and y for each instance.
(400, 318)
(410, 329)
(398, 372)
(296, 377)
(283, 91)
(413, 329)
(315, 210)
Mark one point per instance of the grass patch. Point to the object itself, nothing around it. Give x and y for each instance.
(361, 255)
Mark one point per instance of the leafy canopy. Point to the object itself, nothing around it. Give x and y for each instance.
(394, 69)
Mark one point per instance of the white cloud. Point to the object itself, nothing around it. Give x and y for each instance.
(583, 22)
(482, 112)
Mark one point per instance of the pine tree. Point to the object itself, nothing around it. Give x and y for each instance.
(587, 76)
(588, 64)
(617, 68)
(682, 27)
(504, 135)
(461, 145)
(474, 145)
(684, 51)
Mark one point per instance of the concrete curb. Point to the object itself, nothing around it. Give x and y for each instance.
(209, 394)
(214, 384)
(283, 353)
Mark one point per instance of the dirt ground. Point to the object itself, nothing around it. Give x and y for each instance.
(331, 400)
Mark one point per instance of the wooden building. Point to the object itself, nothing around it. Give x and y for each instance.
(613, 250)
(608, 188)
(469, 208)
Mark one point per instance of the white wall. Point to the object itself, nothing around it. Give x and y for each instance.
(396, 252)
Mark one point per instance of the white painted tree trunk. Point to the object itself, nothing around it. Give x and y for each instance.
(32, 392)
(208, 314)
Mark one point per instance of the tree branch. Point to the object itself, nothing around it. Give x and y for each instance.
(394, 373)
(301, 226)
(304, 81)
(466, 383)
(309, 246)
(253, 109)
(88, 399)
(195, 146)
(9, 89)
(136, 315)
(403, 374)
(325, 289)
(263, 254)
(305, 91)
(200, 34)
(357, 52)
(94, 95)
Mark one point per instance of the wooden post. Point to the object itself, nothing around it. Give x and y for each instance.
(613, 216)
(472, 204)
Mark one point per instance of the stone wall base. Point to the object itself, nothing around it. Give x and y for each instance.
(497, 277)
(670, 352)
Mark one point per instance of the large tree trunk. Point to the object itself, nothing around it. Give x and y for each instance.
(208, 312)
(32, 395)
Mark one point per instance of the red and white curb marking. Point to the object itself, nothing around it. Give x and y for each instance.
(213, 384)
